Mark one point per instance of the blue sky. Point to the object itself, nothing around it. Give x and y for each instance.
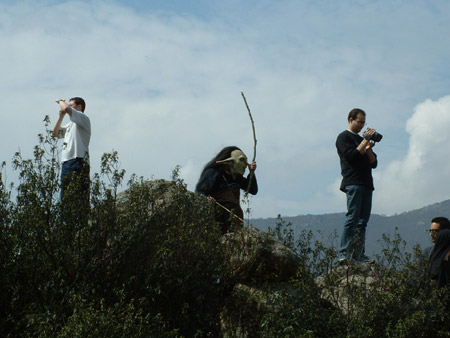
(162, 82)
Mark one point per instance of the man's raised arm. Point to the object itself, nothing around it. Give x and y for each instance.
(62, 112)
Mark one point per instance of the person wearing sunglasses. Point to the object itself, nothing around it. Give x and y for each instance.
(437, 224)
(439, 259)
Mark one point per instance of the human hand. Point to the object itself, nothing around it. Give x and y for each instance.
(57, 101)
(252, 166)
(212, 199)
(369, 133)
(370, 145)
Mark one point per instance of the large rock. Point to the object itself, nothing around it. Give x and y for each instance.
(161, 192)
(344, 282)
(256, 256)
(259, 266)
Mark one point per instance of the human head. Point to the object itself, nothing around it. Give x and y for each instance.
(237, 162)
(437, 224)
(218, 160)
(356, 120)
(78, 103)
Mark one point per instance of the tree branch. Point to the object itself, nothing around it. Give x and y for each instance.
(254, 144)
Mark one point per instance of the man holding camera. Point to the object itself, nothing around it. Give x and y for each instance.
(357, 161)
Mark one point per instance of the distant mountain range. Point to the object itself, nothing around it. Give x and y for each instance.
(412, 226)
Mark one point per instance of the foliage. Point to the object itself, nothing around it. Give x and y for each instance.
(390, 298)
(304, 313)
(150, 262)
(147, 262)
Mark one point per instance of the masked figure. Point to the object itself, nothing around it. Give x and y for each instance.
(222, 179)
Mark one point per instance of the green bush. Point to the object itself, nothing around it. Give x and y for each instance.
(162, 247)
(148, 262)
(395, 300)
(119, 320)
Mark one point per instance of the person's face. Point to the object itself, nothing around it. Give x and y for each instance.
(356, 125)
(75, 106)
(434, 228)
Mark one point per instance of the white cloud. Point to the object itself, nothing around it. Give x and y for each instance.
(419, 178)
(163, 89)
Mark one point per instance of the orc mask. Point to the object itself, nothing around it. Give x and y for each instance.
(237, 162)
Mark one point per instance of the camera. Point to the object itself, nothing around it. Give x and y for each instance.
(376, 137)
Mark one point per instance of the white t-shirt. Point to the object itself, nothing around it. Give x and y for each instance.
(76, 134)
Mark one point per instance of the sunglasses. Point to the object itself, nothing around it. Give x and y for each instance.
(432, 231)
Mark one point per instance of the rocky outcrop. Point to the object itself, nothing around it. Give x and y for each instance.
(259, 268)
(161, 192)
(343, 282)
(256, 256)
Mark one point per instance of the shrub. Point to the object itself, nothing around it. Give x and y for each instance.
(162, 247)
(394, 299)
(149, 262)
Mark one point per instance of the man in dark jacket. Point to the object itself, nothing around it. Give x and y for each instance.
(437, 224)
(357, 161)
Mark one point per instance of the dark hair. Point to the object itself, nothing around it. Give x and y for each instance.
(79, 100)
(354, 113)
(443, 222)
(222, 155)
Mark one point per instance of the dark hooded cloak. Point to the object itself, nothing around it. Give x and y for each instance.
(439, 267)
(217, 181)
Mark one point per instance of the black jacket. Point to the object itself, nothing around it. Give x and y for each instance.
(356, 168)
(215, 179)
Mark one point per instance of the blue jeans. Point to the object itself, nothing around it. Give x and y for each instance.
(76, 171)
(359, 204)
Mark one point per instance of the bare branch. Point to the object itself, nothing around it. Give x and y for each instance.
(254, 143)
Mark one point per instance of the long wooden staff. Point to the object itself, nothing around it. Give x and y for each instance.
(231, 213)
(254, 144)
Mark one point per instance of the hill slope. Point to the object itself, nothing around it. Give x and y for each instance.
(411, 225)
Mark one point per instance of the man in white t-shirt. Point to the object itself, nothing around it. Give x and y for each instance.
(75, 152)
